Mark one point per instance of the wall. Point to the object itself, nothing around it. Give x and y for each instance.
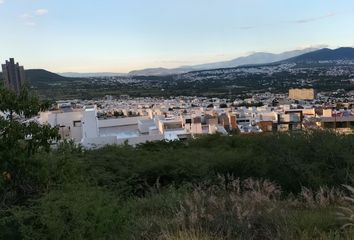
(90, 124)
(115, 122)
(302, 94)
(65, 119)
(141, 139)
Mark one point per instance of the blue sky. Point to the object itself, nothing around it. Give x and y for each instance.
(123, 35)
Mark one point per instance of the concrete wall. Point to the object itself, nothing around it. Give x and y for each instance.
(327, 112)
(309, 111)
(98, 142)
(110, 130)
(90, 124)
(66, 121)
(62, 118)
(115, 122)
(144, 125)
(302, 94)
(196, 128)
(141, 139)
(103, 141)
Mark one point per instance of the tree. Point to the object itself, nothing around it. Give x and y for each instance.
(20, 137)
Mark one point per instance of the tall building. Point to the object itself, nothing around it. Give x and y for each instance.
(302, 94)
(14, 75)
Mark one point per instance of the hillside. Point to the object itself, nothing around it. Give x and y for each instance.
(160, 71)
(326, 54)
(41, 77)
(38, 77)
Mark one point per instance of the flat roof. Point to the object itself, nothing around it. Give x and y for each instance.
(338, 119)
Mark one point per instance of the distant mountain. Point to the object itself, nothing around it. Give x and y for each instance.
(37, 77)
(86, 75)
(325, 54)
(161, 71)
(41, 76)
(255, 58)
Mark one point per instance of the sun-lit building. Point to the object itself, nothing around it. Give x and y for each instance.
(302, 94)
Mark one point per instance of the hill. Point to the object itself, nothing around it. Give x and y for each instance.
(160, 71)
(38, 77)
(41, 77)
(325, 54)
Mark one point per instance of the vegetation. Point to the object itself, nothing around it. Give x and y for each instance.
(276, 186)
(204, 190)
(20, 139)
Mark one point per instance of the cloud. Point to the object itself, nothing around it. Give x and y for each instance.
(307, 20)
(255, 26)
(26, 16)
(299, 21)
(2, 1)
(29, 19)
(247, 27)
(40, 12)
(30, 23)
(317, 46)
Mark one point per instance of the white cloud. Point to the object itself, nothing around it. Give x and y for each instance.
(307, 20)
(31, 18)
(26, 16)
(318, 46)
(30, 23)
(299, 21)
(40, 12)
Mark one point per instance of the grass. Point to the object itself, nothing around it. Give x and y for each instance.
(246, 209)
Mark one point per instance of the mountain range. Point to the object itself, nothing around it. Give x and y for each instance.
(325, 54)
(87, 75)
(255, 58)
(42, 77)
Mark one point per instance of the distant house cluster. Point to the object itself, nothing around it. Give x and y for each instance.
(134, 121)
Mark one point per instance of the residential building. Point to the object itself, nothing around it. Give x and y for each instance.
(302, 94)
(14, 75)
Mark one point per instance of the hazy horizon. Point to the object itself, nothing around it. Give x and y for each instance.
(120, 36)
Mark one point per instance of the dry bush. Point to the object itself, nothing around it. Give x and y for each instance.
(324, 197)
(191, 235)
(232, 209)
(346, 211)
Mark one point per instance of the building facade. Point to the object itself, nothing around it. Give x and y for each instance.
(14, 75)
(302, 94)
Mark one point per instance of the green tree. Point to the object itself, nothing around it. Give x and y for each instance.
(20, 137)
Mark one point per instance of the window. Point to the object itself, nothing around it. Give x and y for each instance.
(77, 123)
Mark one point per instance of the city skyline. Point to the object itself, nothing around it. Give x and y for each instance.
(120, 36)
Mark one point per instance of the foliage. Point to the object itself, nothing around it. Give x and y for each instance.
(72, 212)
(311, 160)
(346, 213)
(20, 138)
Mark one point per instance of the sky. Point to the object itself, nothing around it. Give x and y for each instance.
(125, 35)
